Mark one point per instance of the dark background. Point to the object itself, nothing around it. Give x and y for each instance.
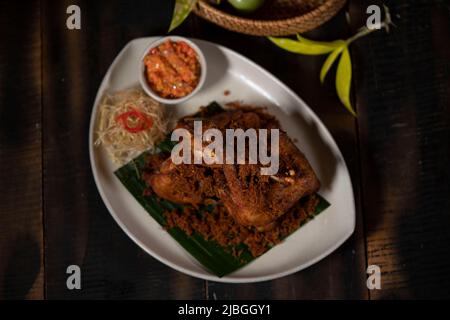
(398, 152)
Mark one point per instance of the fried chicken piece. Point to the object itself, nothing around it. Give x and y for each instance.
(191, 184)
(254, 200)
(257, 200)
(184, 184)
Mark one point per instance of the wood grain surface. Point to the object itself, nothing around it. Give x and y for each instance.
(397, 151)
(21, 236)
(404, 129)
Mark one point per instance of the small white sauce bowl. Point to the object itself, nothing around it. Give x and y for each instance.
(142, 70)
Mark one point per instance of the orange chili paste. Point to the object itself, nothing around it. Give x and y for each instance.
(172, 69)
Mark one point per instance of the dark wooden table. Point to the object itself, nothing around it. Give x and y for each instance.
(398, 152)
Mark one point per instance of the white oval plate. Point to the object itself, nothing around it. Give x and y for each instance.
(246, 81)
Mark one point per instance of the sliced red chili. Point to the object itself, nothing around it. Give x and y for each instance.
(142, 121)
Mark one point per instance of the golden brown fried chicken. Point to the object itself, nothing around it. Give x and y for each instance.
(257, 200)
(253, 199)
(184, 183)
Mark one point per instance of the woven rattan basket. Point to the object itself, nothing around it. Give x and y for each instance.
(275, 18)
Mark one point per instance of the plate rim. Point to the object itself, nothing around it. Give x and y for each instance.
(195, 274)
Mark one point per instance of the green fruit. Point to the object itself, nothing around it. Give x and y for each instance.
(246, 5)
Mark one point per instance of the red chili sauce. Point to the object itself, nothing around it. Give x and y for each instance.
(172, 69)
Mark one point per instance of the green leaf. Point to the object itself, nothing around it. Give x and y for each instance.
(334, 44)
(181, 11)
(344, 80)
(212, 109)
(302, 47)
(329, 62)
(165, 146)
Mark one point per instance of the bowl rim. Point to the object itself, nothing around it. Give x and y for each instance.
(143, 80)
